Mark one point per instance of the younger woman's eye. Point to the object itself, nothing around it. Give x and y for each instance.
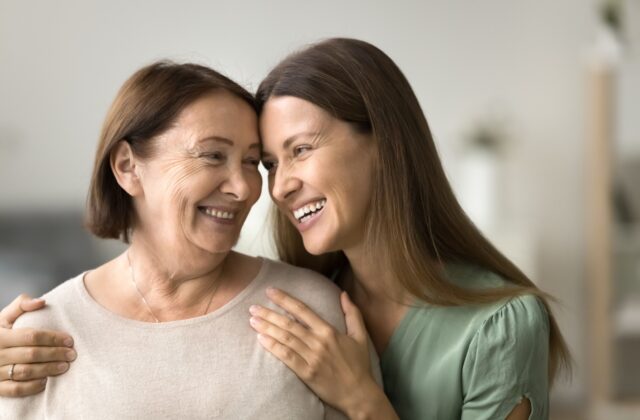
(298, 150)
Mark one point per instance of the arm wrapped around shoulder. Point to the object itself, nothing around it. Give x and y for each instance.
(507, 361)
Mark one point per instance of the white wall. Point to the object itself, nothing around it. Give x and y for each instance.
(61, 63)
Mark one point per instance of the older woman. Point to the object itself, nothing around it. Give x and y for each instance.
(362, 197)
(161, 331)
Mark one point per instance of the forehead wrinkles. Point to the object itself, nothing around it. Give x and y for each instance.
(175, 159)
(174, 147)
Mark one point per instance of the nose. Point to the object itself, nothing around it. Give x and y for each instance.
(283, 184)
(237, 185)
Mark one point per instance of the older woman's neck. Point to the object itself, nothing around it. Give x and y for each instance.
(174, 266)
(177, 285)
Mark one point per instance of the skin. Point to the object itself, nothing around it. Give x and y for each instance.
(311, 157)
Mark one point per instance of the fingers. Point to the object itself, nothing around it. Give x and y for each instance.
(285, 355)
(29, 372)
(30, 305)
(282, 321)
(28, 337)
(283, 335)
(14, 389)
(353, 319)
(298, 309)
(20, 305)
(21, 355)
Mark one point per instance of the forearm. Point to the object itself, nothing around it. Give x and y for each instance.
(370, 403)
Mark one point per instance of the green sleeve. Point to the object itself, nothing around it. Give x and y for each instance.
(507, 360)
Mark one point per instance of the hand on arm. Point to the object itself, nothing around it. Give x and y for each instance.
(333, 365)
(29, 356)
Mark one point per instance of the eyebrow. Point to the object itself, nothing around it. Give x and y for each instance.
(287, 143)
(227, 141)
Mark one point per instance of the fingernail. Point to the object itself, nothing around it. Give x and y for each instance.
(71, 355)
(254, 321)
(62, 367)
(37, 300)
(43, 381)
(254, 309)
(68, 342)
(271, 291)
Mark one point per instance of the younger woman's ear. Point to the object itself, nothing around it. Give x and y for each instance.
(124, 166)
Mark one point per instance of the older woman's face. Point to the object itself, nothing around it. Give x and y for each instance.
(320, 172)
(202, 178)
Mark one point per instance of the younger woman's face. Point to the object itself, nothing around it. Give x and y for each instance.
(321, 172)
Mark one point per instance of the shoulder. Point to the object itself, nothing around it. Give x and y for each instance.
(310, 287)
(510, 325)
(57, 300)
(522, 321)
(301, 281)
(65, 290)
(527, 312)
(507, 359)
(471, 276)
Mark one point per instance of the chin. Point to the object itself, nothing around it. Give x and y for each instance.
(217, 247)
(318, 247)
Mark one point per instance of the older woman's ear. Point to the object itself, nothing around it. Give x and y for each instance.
(125, 168)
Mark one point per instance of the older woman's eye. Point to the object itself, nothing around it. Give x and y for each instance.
(298, 150)
(214, 156)
(252, 162)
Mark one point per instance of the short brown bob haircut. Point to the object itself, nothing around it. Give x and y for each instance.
(146, 106)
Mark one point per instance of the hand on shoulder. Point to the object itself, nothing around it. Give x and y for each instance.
(28, 356)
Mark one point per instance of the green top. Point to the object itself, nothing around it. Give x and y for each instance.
(469, 362)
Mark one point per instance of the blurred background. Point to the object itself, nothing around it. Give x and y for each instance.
(534, 105)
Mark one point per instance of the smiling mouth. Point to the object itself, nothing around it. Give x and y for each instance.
(308, 211)
(217, 213)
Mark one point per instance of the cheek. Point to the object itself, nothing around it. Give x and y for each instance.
(180, 185)
(255, 184)
(350, 182)
(360, 190)
(183, 180)
(270, 182)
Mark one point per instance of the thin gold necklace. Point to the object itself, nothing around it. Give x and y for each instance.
(146, 304)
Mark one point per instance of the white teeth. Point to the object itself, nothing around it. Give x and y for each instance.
(303, 212)
(219, 214)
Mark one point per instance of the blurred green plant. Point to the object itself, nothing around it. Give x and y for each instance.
(611, 12)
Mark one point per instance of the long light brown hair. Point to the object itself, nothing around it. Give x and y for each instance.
(416, 224)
